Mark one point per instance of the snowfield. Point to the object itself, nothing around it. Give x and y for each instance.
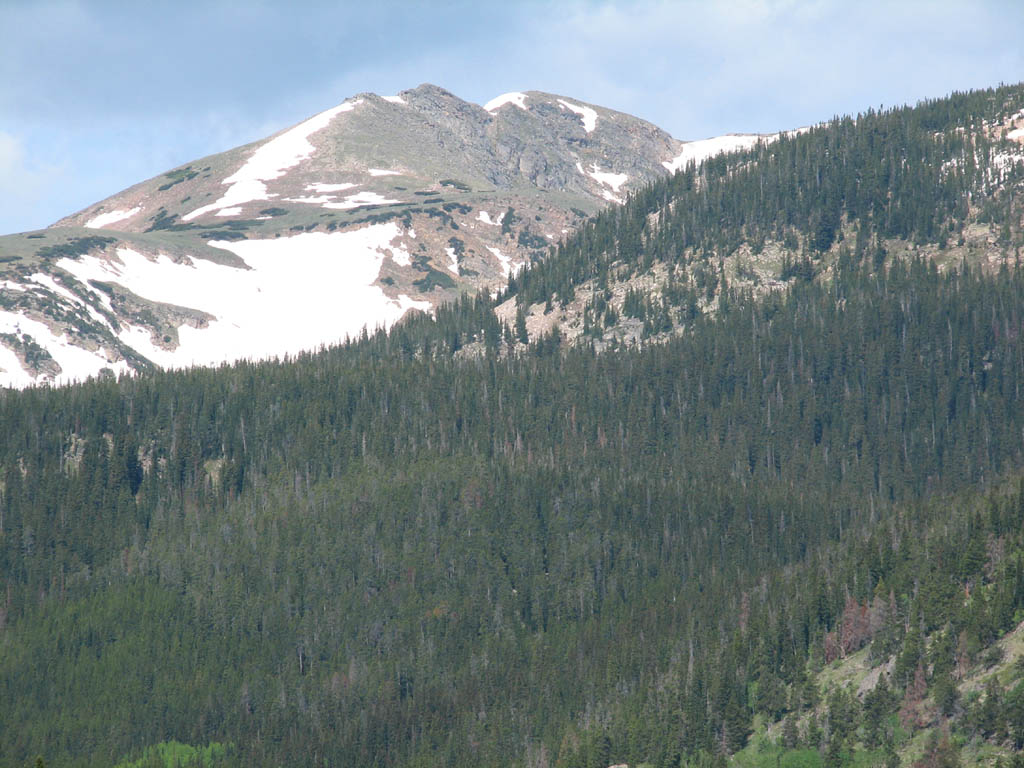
(299, 293)
(270, 161)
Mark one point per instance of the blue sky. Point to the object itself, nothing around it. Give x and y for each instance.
(95, 96)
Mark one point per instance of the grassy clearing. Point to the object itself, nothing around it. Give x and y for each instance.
(174, 754)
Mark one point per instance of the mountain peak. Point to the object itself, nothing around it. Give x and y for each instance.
(422, 194)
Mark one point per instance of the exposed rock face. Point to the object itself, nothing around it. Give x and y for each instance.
(345, 221)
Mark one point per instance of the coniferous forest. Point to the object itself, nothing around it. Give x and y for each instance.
(390, 553)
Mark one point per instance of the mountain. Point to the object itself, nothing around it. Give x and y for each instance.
(343, 222)
(763, 506)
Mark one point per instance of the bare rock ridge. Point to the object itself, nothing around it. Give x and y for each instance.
(345, 221)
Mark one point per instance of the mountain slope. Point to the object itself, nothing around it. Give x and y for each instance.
(343, 222)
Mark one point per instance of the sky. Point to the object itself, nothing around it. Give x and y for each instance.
(96, 96)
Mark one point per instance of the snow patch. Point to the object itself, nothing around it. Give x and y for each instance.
(588, 115)
(508, 267)
(453, 266)
(360, 199)
(98, 222)
(1016, 135)
(352, 201)
(394, 99)
(271, 160)
(229, 211)
(400, 256)
(380, 172)
(299, 293)
(515, 97)
(613, 180)
(318, 187)
(318, 200)
(485, 217)
(698, 151)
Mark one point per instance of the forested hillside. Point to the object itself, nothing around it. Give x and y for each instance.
(401, 553)
(939, 180)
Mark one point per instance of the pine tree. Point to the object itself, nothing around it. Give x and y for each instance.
(520, 328)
